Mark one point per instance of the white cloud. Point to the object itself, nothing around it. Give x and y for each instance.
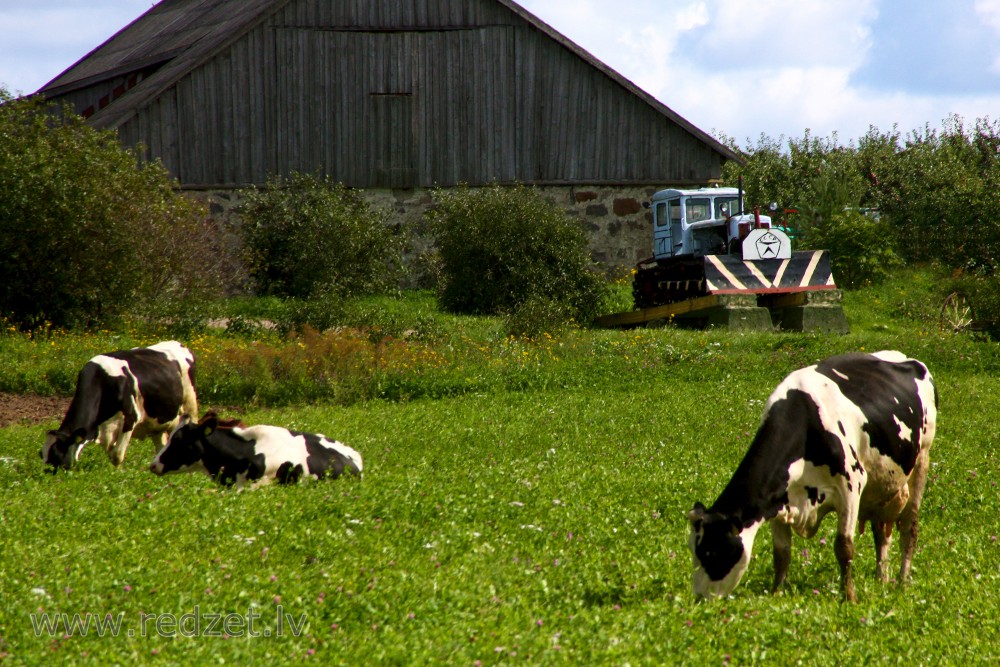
(744, 67)
(691, 17)
(776, 33)
(648, 55)
(989, 12)
(778, 67)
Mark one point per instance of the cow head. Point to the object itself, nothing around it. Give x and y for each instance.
(62, 449)
(720, 550)
(185, 449)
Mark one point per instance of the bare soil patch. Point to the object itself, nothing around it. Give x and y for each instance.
(30, 409)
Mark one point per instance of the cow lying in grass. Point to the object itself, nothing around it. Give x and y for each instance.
(236, 454)
(137, 393)
(850, 435)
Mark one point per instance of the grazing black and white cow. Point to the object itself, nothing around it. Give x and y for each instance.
(237, 454)
(142, 393)
(850, 435)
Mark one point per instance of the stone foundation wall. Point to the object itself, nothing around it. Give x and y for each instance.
(619, 228)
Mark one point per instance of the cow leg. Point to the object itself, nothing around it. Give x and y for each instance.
(129, 419)
(108, 434)
(117, 454)
(843, 547)
(908, 518)
(781, 538)
(118, 438)
(882, 540)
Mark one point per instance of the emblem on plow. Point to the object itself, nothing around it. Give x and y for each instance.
(767, 244)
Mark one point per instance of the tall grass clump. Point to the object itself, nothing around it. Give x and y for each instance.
(981, 295)
(509, 250)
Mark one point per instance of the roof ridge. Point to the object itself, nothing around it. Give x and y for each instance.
(183, 60)
(234, 24)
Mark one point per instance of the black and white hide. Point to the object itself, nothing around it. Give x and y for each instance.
(137, 393)
(237, 454)
(850, 435)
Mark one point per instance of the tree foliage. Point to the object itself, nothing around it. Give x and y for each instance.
(939, 189)
(88, 232)
(932, 194)
(509, 250)
(309, 236)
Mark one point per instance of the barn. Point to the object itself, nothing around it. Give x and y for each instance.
(394, 97)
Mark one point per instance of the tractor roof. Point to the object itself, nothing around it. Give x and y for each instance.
(699, 192)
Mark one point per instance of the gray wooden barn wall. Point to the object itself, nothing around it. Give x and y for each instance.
(410, 93)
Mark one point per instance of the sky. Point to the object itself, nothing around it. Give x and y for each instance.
(736, 68)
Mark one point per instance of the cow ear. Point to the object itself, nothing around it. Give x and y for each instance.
(735, 526)
(697, 514)
(79, 435)
(209, 424)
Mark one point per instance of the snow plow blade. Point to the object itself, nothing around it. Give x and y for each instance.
(793, 294)
(804, 271)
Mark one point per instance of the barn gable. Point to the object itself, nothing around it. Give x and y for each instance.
(378, 94)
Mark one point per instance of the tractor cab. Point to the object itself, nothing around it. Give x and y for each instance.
(706, 221)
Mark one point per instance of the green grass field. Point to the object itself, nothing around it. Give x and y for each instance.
(522, 503)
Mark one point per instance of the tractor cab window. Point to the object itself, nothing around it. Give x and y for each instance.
(661, 215)
(674, 210)
(698, 209)
(726, 206)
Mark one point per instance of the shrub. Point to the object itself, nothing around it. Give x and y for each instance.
(323, 310)
(861, 248)
(501, 247)
(307, 236)
(88, 232)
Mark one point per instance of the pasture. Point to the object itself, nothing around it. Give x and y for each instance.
(523, 502)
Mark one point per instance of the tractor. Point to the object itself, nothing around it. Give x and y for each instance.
(713, 263)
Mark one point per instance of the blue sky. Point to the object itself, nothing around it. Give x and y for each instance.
(948, 47)
(742, 68)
